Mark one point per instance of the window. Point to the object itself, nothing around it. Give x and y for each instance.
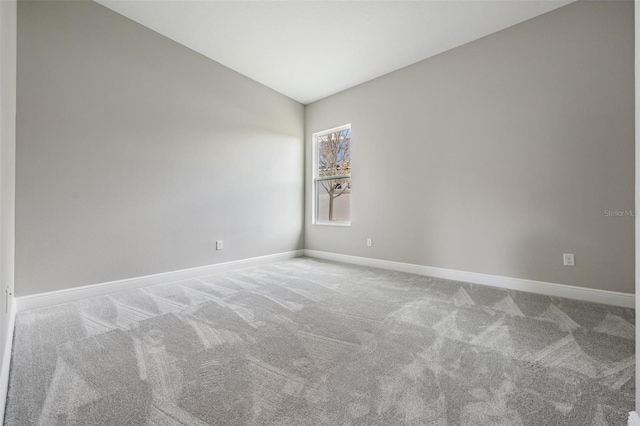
(332, 176)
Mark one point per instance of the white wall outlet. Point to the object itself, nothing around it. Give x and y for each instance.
(369, 242)
(568, 259)
(219, 245)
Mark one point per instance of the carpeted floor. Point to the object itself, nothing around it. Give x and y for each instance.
(308, 342)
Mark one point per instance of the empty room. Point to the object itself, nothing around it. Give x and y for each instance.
(318, 212)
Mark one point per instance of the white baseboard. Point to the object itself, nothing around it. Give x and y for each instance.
(634, 419)
(6, 358)
(614, 298)
(42, 300)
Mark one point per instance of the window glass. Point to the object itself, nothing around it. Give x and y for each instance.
(332, 180)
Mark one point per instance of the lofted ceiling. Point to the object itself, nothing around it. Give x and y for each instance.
(308, 49)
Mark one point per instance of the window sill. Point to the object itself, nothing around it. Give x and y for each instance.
(333, 223)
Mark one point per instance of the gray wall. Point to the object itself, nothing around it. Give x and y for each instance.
(135, 154)
(7, 162)
(498, 156)
(637, 234)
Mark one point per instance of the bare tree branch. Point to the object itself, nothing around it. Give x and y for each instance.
(334, 159)
(341, 192)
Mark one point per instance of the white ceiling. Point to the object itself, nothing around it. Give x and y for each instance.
(308, 50)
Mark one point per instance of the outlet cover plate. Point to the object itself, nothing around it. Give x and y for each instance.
(568, 259)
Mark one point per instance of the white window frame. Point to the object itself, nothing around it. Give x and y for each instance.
(314, 177)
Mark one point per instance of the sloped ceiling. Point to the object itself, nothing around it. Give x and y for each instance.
(308, 50)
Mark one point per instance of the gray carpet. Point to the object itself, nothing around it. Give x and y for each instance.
(308, 342)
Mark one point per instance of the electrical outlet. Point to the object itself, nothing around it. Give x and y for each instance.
(219, 245)
(568, 259)
(369, 242)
